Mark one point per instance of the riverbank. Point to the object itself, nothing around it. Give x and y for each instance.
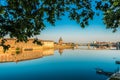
(56, 47)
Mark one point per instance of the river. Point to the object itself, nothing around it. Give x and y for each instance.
(61, 65)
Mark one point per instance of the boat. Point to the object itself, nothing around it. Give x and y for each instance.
(101, 71)
(117, 62)
(98, 70)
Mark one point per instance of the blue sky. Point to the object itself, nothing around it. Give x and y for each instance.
(70, 31)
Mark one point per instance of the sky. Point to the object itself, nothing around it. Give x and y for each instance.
(70, 31)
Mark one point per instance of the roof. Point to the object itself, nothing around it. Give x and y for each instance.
(47, 40)
(30, 39)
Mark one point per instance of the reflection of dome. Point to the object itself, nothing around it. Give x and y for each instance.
(60, 51)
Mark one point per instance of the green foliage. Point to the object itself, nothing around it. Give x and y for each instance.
(5, 47)
(23, 19)
(111, 10)
(36, 41)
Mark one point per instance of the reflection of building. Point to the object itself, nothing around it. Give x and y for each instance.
(60, 41)
(25, 55)
(48, 52)
(60, 51)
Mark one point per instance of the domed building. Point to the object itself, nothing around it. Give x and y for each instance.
(60, 41)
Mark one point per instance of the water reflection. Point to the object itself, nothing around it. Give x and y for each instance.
(25, 55)
(104, 47)
(60, 51)
(96, 48)
(72, 65)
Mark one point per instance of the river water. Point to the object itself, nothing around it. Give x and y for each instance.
(63, 65)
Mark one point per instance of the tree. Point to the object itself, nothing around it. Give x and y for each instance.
(23, 19)
(111, 12)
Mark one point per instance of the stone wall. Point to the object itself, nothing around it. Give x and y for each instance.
(27, 46)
